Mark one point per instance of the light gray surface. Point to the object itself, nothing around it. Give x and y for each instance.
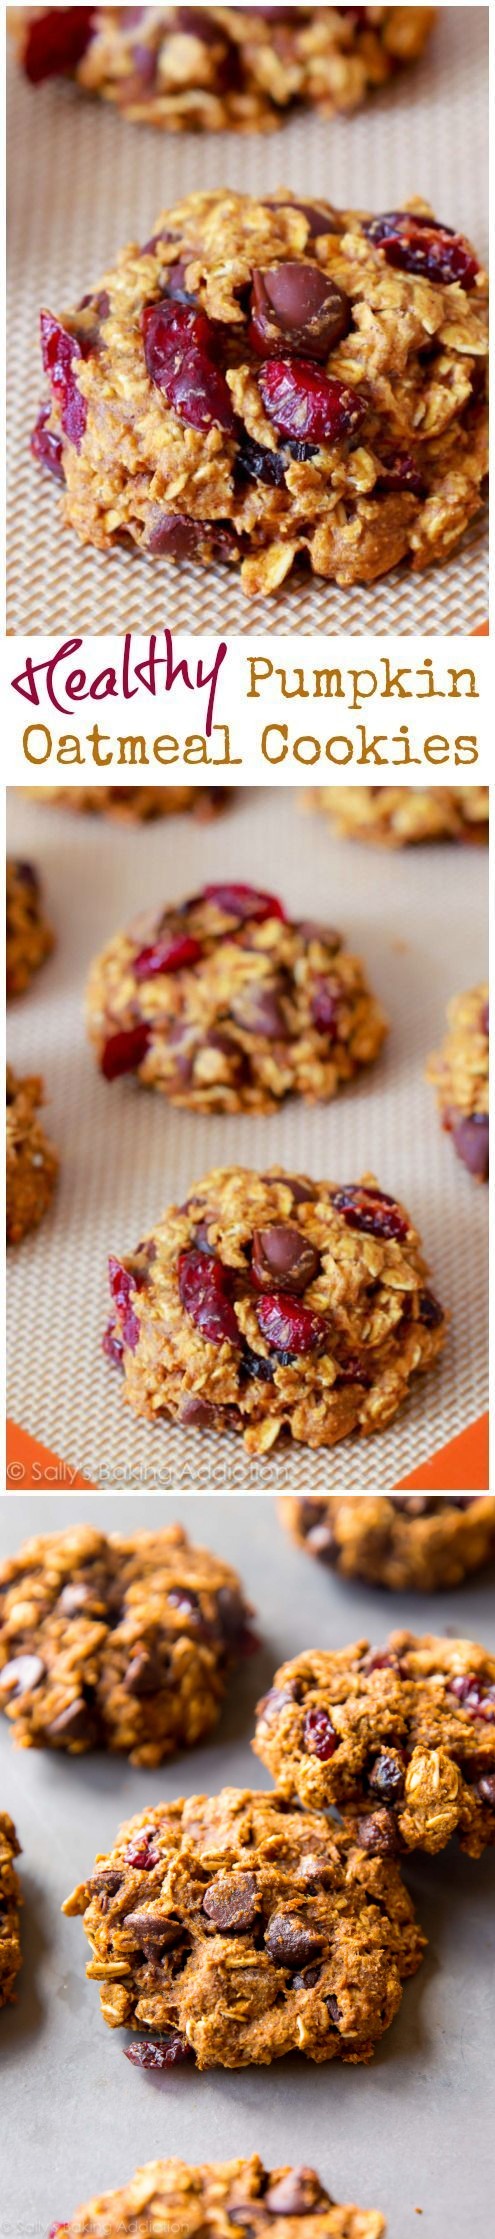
(412, 2132)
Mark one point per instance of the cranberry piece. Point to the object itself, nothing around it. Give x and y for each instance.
(124, 1052)
(204, 1292)
(473, 1693)
(353, 1371)
(163, 2053)
(381, 1659)
(46, 445)
(401, 473)
(178, 346)
(371, 1211)
(255, 463)
(319, 1736)
(141, 1851)
(254, 1364)
(302, 401)
(56, 42)
(291, 1327)
(122, 1281)
(285, 1253)
(387, 1777)
(416, 243)
(485, 1019)
(111, 1344)
(60, 351)
(430, 1312)
(300, 305)
(167, 956)
(325, 1009)
(271, 1704)
(244, 901)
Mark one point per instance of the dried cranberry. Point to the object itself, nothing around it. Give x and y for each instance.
(289, 1326)
(159, 2053)
(319, 1736)
(123, 1280)
(271, 1704)
(254, 1364)
(387, 1777)
(303, 402)
(400, 473)
(111, 1344)
(244, 901)
(141, 1851)
(353, 1371)
(124, 1052)
(178, 346)
(473, 1693)
(371, 1211)
(204, 1292)
(167, 956)
(325, 1009)
(254, 462)
(60, 351)
(417, 243)
(55, 42)
(46, 445)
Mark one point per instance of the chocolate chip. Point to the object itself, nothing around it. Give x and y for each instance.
(299, 2193)
(387, 1777)
(303, 1192)
(73, 1723)
(199, 1413)
(323, 1544)
(175, 534)
(311, 930)
(106, 1877)
(271, 1705)
(153, 1928)
(283, 1254)
(231, 1612)
(378, 1833)
(472, 1145)
(292, 1942)
(232, 1902)
(22, 1675)
(307, 1980)
(72, 1599)
(320, 215)
(334, 2012)
(144, 1674)
(486, 1789)
(258, 1010)
(301, 305)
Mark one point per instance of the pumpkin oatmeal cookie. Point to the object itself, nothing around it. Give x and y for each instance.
(10, 1900)
(218, 69)
(28, 938)
(242, 1931)
(459, 1073)
(404, 1734)
(133, 804)
(270, 379)
(398, 815)
(32, 1162)
(409, 1540)
(271, 1303)
(120, 1644)
(225, 1004)
(217, 2199)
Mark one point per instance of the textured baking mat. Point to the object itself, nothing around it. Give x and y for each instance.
(419, 921)
(391, 2135)
(82, 182)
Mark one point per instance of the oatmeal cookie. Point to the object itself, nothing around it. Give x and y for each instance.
(10, 1900)
(225, 1004)
(216, 69)
(244, 1931)
(459, 1073)
(268, 1303)
(398, 815)
(404, 1734)
(120, 1644)
(217, 2199)
(32, 1162)
(270, 378)
(409, 1540)
(133, 804)
(28, 939)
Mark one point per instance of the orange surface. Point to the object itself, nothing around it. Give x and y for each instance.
(461, 1466)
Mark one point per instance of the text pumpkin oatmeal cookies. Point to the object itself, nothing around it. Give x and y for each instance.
(267, 381)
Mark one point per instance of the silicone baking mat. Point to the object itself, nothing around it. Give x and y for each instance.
(82, 182)
(419, 921)
(391, 2135)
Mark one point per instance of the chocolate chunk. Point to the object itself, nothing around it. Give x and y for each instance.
(199, 1413)
(22, 1675)
(154, 1928)
(175, 533)
(292, 1942)
(320, 215)
(230, 1611)
(73, 1724)
(106, 1877)
(144, 1674)
(486, 1789)
(258, 1010)
(387, 1777)
(299, 2193)
(232, 1902)
(282, 1254)
(323, 1544)
(334, 2012)
(378, 1833)
(271, 1704)
(73, 1598)
(471, 1142)
(299, 305)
